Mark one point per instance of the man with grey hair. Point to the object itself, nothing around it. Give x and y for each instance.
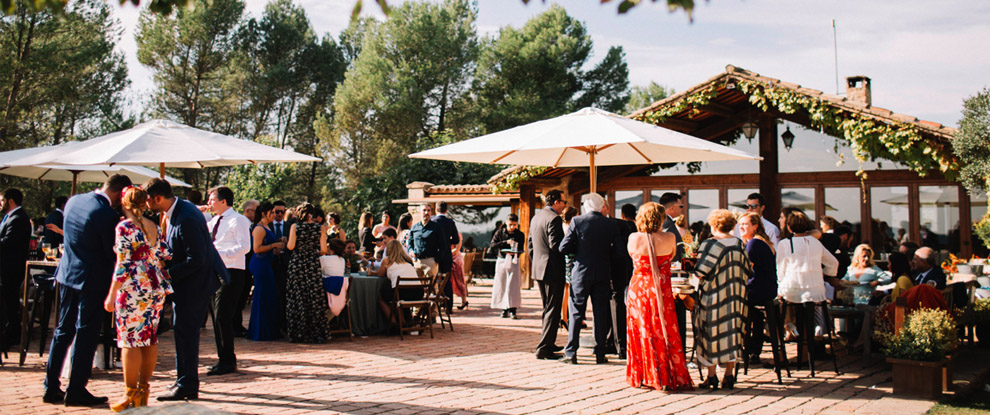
(248, 208)
(594, 239)
(923, 264)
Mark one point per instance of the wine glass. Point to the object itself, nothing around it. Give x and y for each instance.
(46, 248)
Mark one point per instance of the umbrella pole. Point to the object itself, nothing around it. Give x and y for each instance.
(161, 171)
(75, 177)
(594, 175)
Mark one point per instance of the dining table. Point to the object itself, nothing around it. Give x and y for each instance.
(366, 316)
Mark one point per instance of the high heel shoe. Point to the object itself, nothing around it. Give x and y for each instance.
(144, 390)
(728, 381)
(710, 383)
(462, 306)
(130, 400)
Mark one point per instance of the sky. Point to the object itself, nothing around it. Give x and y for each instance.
(924, 57)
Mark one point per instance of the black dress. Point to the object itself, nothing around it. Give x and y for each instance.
(306, 300)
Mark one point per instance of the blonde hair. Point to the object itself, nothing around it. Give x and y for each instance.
(860, 263)
(133, 199)
(395, 253)
(722, 220)
(650, 217)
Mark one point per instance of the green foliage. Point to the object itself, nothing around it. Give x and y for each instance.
(927, 335)
(972, 143)
(61, 80)
(981, 310)
(607, 85)
(643, 96)
(402, 87)
(511, 180)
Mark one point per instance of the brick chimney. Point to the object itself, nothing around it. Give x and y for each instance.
(858, 89)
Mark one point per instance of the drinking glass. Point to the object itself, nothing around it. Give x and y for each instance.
(46, 248)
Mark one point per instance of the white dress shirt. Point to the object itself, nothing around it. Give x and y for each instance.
(233, 240)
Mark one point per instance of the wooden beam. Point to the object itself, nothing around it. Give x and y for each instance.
(721, 110)
(769, 169)
(679, 124)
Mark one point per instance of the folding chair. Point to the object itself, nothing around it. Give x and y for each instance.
(423, 305)
(440, 299)
(343, 323)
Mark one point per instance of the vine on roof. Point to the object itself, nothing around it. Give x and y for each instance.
(510, 181)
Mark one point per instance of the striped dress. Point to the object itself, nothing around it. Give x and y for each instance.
(720, 312)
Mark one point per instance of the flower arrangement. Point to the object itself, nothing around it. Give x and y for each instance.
(927, 335)
(950, 264)
(981, 310)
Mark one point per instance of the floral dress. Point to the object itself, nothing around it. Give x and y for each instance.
(144, 286)
(306, 299)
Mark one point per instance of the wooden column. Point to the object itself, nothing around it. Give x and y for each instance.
(527, 194)
(914, 213)
(769, 168)
(866, 215)
(965, 224)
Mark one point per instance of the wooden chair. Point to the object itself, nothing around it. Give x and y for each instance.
(421, 320)
(342, 324)
(469, 266)
(440, 299)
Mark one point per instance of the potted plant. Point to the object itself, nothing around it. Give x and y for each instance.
(981, 320)
(919, 352)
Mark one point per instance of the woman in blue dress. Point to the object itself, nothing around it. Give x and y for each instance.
(264, 303)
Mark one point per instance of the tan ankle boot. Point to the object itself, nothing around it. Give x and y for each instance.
(130, 400)
(144, 390)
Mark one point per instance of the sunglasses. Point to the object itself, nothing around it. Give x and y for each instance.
(279, 211)
(753, 206)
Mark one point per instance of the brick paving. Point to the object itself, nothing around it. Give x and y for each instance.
(485, 366)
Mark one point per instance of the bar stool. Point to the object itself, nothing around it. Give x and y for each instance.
(806, 337)
(771, 313)
(44, 300)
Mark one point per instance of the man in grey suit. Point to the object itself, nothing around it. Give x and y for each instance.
(546, 231)
(672, 204)
(593, 239)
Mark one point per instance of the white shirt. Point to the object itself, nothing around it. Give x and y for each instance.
(405, 270)
(332, 265)
(233, 239)
(105, 196)
(772, 231)
(799, 269)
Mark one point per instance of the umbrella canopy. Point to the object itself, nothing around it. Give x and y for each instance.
(74, 174)
(949, 196)
(588, 137)
(165, 144)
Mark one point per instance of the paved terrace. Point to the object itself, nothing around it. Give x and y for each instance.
(486, 366)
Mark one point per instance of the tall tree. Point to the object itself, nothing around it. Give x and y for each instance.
(642, 96)
(528, 74)
(188, 52)
(607, 85)
(410, 70)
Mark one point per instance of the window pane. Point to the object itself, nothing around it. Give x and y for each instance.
(655, 194)
(889, 206)
(633, 197)
(939, 216)
(701, 203)
(737, 199)
(844, 204)
(801, 198)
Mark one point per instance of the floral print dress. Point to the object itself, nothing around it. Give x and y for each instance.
(306, 300)
(144, 286)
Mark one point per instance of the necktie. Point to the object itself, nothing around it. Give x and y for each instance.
(278, 230)
(216, 226)
(164, 224)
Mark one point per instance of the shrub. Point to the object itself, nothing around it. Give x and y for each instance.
(927, 335)
(981, 310)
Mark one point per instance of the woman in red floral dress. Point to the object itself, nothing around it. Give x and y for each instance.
(655, 355)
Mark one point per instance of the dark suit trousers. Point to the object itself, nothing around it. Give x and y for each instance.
(552, 294)
(617, 336)
(280, 266)
(224, 308)
(599, 293)
(10, 298)
(238, 316)
(80, 317)
(189, 310)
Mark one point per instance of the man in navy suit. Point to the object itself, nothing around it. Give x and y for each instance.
(84, 275)
(53, 222)
(196, 271)
(923, 264)
(594, 239)
(445, 260)
(15, 238)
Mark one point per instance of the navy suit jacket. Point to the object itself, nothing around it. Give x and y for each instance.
(196, 268)
(670, 226)
(449, 237)
(15, 240)
(935, 276)
(54, 218)
(594, 240)
(89, 237)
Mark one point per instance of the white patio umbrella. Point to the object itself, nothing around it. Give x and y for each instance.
(164, 144)
(74, 174)
(588, 137)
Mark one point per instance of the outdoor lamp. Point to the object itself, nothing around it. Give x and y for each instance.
(749, 129)
(788, 138)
